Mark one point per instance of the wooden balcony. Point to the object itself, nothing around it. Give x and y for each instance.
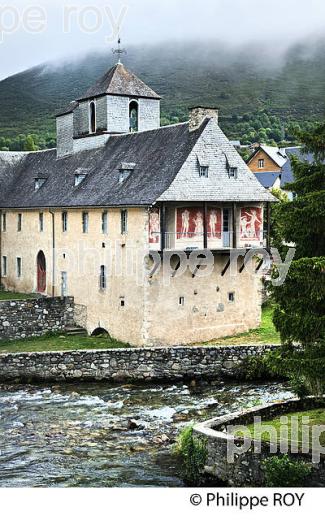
(218, 228)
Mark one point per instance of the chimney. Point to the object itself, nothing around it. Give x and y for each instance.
(198, 114)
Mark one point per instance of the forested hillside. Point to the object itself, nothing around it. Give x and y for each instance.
(259, 95)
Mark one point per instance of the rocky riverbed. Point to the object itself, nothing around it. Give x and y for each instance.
(95, 435)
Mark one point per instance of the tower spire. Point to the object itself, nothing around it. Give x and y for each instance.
(119, 51)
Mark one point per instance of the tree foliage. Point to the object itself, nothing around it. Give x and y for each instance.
(300, 302)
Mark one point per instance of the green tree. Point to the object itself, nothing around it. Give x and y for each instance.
(300, 302)
(30, 145)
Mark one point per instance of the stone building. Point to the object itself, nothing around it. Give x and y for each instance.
(117, 212)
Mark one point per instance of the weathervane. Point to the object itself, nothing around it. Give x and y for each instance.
(119, 51)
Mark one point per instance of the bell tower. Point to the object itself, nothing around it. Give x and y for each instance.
(117, 103)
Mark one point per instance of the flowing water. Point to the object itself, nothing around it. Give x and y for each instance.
(81, 435)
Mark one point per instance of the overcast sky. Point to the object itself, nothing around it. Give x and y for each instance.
(36, 31)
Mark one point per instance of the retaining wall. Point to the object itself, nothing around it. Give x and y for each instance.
(20, 319)
(129, 364)
(245, 468)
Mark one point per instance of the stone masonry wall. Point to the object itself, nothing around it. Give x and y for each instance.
(246, 469)
(129, 364)
(25, 318)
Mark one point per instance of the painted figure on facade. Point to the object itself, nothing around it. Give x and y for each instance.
(154, 226)
(251, 223)
(185, 223)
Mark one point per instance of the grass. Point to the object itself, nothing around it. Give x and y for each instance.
(7, 295)
(264, 335)
(62, 342)
(305, 420)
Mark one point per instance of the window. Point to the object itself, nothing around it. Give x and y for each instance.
(104, 222)
(64, 217)
(79, 178)
(102, 278)
(19, 221)
(124, 221)
(261, 163)
(92, 117)
(134, 116)
(181, 301)
(38, 183)
(231, 297)
(41, 221)
(233, 173)
(124, 174)
(19, 267)
(122, 301)
(64, 284)
(4, 266)
(204, 171)
(85, 222)
(4, 222)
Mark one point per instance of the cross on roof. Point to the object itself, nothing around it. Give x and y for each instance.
(119, 51)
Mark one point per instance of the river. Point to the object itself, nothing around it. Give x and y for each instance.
(81, 435)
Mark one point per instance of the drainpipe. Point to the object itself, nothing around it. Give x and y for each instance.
(53, 252)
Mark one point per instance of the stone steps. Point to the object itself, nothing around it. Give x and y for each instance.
(76, 331)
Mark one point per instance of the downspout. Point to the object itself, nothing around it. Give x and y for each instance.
(53, 252)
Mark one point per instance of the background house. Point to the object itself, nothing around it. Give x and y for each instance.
(273, 166)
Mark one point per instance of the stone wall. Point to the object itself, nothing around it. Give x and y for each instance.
(64, 135)
(129, 364)
(25, 318)
(246, 468)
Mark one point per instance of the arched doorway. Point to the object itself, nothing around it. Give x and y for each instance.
(41, 272)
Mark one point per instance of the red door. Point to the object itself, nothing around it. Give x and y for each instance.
(41, 272)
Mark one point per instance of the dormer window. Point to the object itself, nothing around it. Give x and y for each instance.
(231, 168)
(92, 117)
(38, 183)
(79, 178)
(204, 171)
(124, 174)
(126, 169)
(233, 172)
(134, 116)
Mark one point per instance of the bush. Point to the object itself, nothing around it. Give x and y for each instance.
(285, 472)
(304, 368)
(193, 452)
(256, 368)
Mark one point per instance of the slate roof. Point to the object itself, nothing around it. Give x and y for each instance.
(158, 155)
(267, 179)
(68, 109)
(287, 172)
(215, 150)
(121, 82)
(278, 155)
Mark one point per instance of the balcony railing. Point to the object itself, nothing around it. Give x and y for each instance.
(191, 241)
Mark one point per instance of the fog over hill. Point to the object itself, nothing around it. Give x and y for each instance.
(238, 79)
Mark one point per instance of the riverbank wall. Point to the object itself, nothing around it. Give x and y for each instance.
(245, 468)
(130, 364)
